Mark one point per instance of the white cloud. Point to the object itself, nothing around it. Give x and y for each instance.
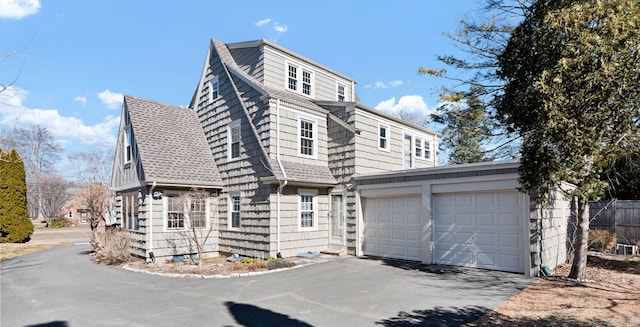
(379, 85)
(396, 83)
(82, 100)
(111, 99)
(263, 22)
(18, 9)
(67, 130)
(280, 28)
(407, 104)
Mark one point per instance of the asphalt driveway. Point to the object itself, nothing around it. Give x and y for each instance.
(62, 287)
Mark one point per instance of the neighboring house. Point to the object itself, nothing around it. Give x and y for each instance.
(292, 162)
(75, 211)
(275, 138)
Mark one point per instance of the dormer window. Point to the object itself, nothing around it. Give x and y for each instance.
(299, 79)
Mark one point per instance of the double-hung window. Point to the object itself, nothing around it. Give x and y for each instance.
(418, 142)
(175, 212)
(308, 214)
(383, 137)
(427, 150)
(214, 89)
(233, 138)
(198, 213)
(299, 79)
(307, 137)
(234, 211)
(341, 92)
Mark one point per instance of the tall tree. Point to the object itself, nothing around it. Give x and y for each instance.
(466, 130)
(15, 225)
(572, 70)
(93, 167)
(39, 151)
(54, 195)
(95, 197)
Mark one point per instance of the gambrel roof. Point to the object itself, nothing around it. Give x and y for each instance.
(171, 145)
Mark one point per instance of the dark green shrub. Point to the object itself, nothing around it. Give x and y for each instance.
(15, 225)
(280, 263)
(60, 222)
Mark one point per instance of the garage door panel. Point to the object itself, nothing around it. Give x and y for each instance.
(486, 230)
(398, 224)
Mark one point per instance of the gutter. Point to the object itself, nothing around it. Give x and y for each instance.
(283, 183)
(150, 211)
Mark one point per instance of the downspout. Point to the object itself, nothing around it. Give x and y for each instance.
(150, 210)
(283, 183)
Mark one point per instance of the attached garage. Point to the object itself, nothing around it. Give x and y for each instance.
(464, 215)
(483, 230)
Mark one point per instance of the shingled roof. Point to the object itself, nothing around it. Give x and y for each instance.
(171, 145)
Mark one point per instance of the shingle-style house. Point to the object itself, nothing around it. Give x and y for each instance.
(291, 161)
(275, 140)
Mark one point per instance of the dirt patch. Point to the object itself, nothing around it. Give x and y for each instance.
(611, 297)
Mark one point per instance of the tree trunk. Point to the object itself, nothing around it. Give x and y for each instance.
(95, 241)
(579, 266)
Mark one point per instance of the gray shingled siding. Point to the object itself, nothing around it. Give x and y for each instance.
(126, 175)
(289, 139)
(548, 230)
(431, 176)
(249, 60)
(342, 165)
(292, 240)
(242, 175)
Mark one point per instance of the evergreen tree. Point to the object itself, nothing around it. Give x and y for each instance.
(15, 226)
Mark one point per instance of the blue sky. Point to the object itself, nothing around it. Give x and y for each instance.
(75, 59)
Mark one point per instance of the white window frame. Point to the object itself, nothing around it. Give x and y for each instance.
(344, 92)
(128, 144)
(417, 147)
(231, 211)
(387, 139)
(314, 209)
(428, 152)
(299, 79)
(230, 143)
(314, 137)
(214, 89)
(186, 222)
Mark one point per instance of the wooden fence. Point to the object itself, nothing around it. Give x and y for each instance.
(619, 216)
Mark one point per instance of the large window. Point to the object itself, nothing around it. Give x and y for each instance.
(308, 210)
(383, 136)
(307, 137)
(234, 140)
(198, 213)
(175, 212)
(130, 211)
(299, 79)
(234, 211)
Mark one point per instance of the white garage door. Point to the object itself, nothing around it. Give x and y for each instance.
(393, 227)
(483, 230)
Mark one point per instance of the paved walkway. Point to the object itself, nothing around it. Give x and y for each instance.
(62, 287)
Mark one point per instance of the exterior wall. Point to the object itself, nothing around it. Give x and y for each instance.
(292, 239)
(125, 175)
(370, 158)
(323, 83)
(250, 61)
(242, 175)
(548, 230)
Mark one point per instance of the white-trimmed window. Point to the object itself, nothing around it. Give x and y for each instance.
(341, 92)
(299, 79)
(233, 140)
(427, 150)
(175, 212)
(214, 89)
(418, 142)
(308, 210)
(383, 137)
(128, 140)
(198, 213)
(234, 211)
(307, 137)
(130, 211)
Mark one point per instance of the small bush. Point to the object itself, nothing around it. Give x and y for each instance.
(602, 241)
(279, 263)
(60, 222)
(114, 247)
